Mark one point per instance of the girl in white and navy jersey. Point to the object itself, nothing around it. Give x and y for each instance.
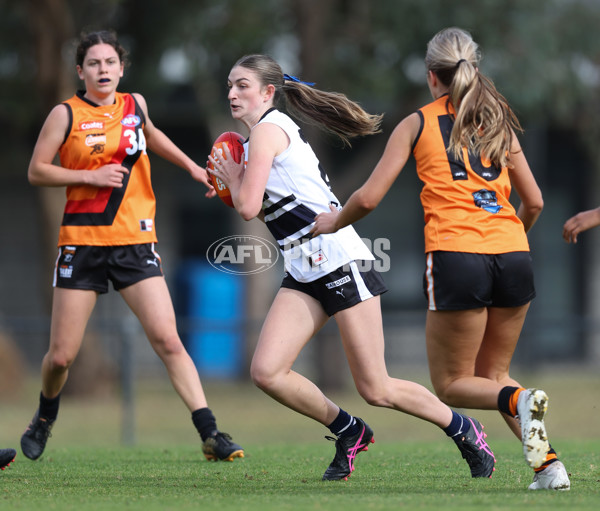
(283, 183)
(296, 191)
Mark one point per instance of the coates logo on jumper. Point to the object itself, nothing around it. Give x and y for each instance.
(242, 255)
(131, 120)
(91, 125)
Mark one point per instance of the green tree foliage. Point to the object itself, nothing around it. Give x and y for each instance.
(543, 54)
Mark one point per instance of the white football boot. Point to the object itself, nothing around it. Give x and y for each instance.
(531, 409)
(553, 477)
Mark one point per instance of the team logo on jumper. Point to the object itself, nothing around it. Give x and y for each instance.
(131, 120)
(486, 199)
(146, 225)
(91, 125)
(96, 141)
(242, 255)
(97, 149)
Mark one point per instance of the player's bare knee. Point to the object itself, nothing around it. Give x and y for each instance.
(444, 394)
(492, 375)
(262, 377)
(169, 346)
(374, 396)
(60, 361)
(259, 378)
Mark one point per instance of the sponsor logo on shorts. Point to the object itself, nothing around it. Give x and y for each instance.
(65, 272)
(340, 292)
(242, 255)
(152, 261)
(338, 282)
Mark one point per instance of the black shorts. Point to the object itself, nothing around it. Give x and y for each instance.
(91, 267)
(342, 288)
(460, 280)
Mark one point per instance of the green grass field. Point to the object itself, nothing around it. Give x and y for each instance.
(412, 465)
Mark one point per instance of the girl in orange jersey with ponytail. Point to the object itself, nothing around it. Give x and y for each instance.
(478, 279)
(107, 233)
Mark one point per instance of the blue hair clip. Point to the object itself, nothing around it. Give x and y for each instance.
(291, 78)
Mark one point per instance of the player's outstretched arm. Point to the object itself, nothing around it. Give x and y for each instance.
(582, 221)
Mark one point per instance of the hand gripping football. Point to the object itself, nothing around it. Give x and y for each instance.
(235, 142)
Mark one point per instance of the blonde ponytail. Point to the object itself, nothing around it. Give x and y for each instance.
(484, 121)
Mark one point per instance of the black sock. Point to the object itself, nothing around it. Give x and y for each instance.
(504, 399)
(344, 424)
(458, 425)
(205, 422)
(49, 407)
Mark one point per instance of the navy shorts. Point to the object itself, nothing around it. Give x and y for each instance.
(342, 288)
(91, 267)
(460, 280)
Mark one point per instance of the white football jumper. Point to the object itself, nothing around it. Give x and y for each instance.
(297, 190)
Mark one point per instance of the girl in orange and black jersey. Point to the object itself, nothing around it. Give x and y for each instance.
(478, 278)
(108, 234)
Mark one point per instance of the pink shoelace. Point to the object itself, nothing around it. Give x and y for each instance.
(481, 440)
(353, 451)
